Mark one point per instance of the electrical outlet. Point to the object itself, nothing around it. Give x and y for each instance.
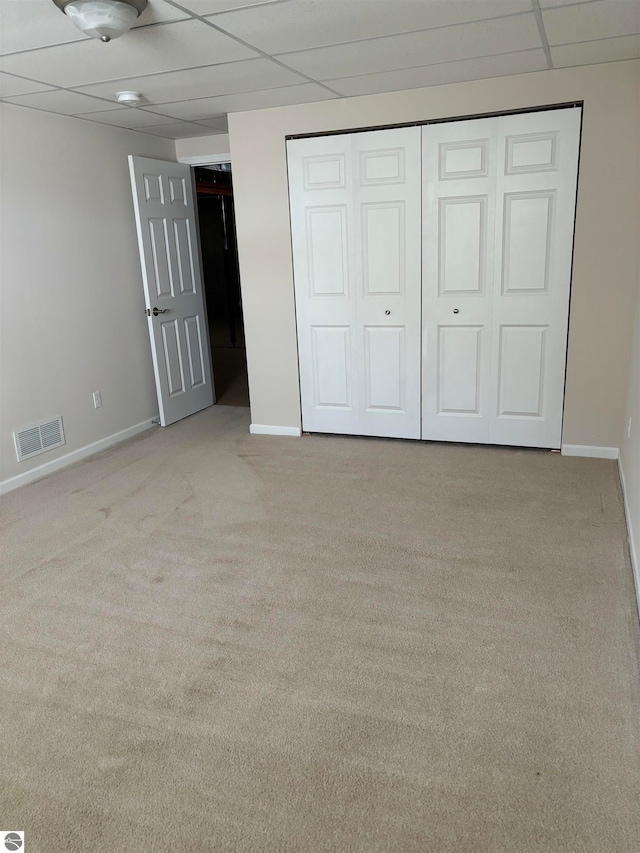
(629, 428)
(97, 399)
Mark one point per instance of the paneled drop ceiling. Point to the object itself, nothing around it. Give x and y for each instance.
(195, 61)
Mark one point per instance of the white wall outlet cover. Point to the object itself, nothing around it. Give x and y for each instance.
(97, 399)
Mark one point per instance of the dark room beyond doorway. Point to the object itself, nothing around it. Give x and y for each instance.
(222, 283)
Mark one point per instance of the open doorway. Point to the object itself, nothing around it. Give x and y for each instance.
(214, 192)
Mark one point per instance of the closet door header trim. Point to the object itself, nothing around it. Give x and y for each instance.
(368, 129)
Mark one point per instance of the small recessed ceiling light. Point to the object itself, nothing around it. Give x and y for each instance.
(102, 19)
(131, 99)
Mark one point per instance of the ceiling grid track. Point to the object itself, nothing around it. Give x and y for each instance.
(537, 11)
(278, 53)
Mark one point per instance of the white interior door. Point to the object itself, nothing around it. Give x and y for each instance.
(355, 222)
(536, 198)
(166, 221)
(459, 186)
(498, 218)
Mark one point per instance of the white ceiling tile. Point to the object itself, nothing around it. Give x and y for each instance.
(211, 7)
(588, 52)
(179, 130)
(447, 72)
(303, 24)
(31, 24)
(127, 117)
(196, 110)
(10, 85)
(548, 4)
(60, 101)
(204, 108)
(28, 24)
(464, 41)
(146, 50)
(589, 21)
(205, 82)
(158, 12)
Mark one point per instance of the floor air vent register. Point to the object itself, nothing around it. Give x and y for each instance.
(38, 438)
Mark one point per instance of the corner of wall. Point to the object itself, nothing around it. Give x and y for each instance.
(629, 462)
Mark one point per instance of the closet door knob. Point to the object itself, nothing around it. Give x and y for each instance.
(387, 312)
(456, 311)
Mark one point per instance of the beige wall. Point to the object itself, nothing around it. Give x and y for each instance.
(630, 449)
(606, 246)
(200, 146)
(71, 290)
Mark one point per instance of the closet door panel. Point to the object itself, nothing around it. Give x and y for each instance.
(355, 223)
(459, 168)
(387, 213)
(321, 188)
(536, 192)
(498, 219)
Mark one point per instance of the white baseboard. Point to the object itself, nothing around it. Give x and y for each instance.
(71, 458)
(267, 429)
(590, 451)
(633, 549)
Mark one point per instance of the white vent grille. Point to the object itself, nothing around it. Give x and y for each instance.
(38, 438)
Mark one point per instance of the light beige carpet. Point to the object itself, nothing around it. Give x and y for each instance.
(212, 641)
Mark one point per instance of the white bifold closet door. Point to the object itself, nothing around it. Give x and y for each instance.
(498, 218)
(355, 222)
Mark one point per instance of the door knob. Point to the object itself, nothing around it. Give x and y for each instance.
(387, 312)
(456, 311)
(156, 311)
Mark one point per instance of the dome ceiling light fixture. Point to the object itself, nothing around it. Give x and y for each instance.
(102, 19)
